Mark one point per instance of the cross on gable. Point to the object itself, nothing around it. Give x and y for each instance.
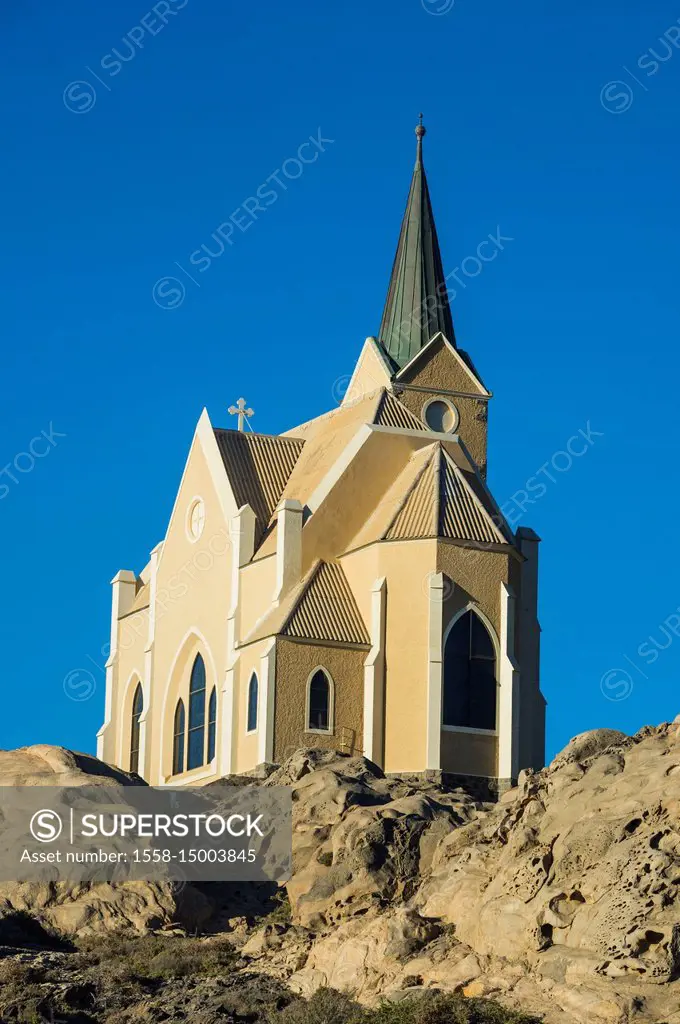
(240, 410)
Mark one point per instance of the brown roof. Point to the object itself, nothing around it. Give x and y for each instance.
(321, 607)
(433, 497)
(327, 609)
(258, 467)
(391, 413)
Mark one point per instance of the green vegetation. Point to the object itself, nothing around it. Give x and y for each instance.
(327, 1006)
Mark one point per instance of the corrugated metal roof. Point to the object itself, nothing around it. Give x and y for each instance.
(461, 516)
(417, 516)
(441, 503)
(391, 413)
(258, 467)
(327, 610)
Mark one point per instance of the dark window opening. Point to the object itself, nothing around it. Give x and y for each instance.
(178, 740)
(470, 689)
(320, 702)
(135, 731)
(196, 740)
(253, 696)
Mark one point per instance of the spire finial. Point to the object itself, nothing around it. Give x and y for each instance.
(421, 130)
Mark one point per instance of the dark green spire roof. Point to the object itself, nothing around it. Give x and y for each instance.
(417, 304)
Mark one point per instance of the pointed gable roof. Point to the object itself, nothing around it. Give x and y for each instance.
(393, 413)
(327, 610)
(320, 608)
(258, 467)
(409, 320)
(432, 497)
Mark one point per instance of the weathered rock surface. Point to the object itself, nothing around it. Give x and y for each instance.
(563, 899)
(81, 909)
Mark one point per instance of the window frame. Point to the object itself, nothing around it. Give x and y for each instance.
(253, 678)
(453, 409)
(196, 728)
(471, 730)
(211, 731)
(177, 768)
(330, 731)
(136, 728)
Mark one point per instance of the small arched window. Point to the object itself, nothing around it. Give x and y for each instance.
(178, 739)
(470, 688)
(135, 729)
(320, 703)
(212, 723)
(196, 739)
(253, 697)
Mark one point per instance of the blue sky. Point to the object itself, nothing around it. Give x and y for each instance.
(554, 124)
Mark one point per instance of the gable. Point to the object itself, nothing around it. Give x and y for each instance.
(258, 467)
(371, 372)
(441, 367)
(327, 610)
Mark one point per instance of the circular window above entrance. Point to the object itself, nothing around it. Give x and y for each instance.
(441, 415)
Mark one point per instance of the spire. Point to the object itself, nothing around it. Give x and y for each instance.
(417, 304)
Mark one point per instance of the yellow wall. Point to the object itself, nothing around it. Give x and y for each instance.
(440, 371)
(407, 650)
(294, 664)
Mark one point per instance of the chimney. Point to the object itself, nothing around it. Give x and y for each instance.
(288, 546)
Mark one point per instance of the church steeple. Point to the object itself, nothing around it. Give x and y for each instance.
(417, 304)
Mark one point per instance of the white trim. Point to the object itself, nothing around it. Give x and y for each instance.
(242, 531)
(193, 503)
(207, 656)
(204, 435)
(123, 753)
(195, 775)
(370, 345)
(374, 677)
(435, 670)
(472, 607)
(330, 731)
(267, 695)
(449, 405)
(251, 732)
(508, 742)
(469, 731)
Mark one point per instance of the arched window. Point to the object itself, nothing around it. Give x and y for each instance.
(253, 696)
(196, 740)
(135, 730)
(470, 675)
(178, 740)
(212, 723)
(320, 703)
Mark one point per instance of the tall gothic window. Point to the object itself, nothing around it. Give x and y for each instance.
(212, 723)
(319, 702)
(196, 738)
(135, 730)
(178, 739)
(470, 689)
(253, 696)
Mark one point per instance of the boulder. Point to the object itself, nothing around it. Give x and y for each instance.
(81, 909)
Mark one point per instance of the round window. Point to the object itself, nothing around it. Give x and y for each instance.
(441, 416)
(196, 519)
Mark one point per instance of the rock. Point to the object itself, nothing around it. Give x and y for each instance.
(588, 744)
(70, 908)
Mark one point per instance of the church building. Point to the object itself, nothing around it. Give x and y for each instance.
(350, 584)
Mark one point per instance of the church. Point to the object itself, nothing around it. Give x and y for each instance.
(349, 584)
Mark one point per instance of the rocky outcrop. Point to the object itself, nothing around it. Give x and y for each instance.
(564, 895)
(562, 900)
(86, 908)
